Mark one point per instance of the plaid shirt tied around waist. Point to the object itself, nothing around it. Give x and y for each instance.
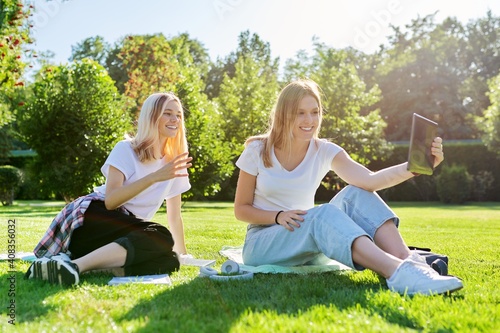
(58, 235)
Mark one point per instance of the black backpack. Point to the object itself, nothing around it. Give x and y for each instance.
(439, 262)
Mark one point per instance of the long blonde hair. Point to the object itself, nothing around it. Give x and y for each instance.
(147, 136)
(283, 117)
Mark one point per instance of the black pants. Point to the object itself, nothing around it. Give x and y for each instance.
(149, 245)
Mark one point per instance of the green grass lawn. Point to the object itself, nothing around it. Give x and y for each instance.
(326, 302)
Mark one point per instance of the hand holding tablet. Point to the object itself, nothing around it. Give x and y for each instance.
(423, 132)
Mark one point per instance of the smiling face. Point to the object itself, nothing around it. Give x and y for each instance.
(170, 120)
(307, 119)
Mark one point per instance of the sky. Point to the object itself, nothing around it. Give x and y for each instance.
(288, 25)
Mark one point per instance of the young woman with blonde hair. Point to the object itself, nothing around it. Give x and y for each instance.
(109, 228)
(280, 172)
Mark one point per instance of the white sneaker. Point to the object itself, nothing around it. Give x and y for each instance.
(414, 256)
(413, 277)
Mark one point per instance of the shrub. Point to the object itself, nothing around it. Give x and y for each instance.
(483, 183)
(10, 180)
(454, 184)
(73, 119)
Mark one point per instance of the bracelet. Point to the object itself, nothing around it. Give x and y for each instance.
(276, 217)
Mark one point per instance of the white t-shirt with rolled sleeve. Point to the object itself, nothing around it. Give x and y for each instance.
(146, 203)
(279, 189)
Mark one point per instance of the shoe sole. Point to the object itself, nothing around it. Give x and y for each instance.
(437, 292)
(59, 273)
(37, 271)
(54, 271)
(450, 291)
(40, 271)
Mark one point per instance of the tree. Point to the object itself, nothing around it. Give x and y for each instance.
(73, 120)
(248, 90)
(115, 67)
(14, 36)
(212, 165)
(245, 102)
(491, 122)
(439, 71)
(482, 62)
(422, 73)
(350, 117)
(248, 46)
(111, 57)
(150, 66)
(298, 67)
(95, 48)
(197, 52)
(153, 63)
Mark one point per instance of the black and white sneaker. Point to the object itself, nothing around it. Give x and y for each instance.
(38, 269)
(57, 270)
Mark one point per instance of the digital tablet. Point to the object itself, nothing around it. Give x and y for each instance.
(423, 132)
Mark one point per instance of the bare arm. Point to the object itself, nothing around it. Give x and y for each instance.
(356, 174)
(117, 193)
(245, 211)
(175, 223)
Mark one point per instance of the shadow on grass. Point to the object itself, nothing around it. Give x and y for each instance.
(27, 296)
(30, 296)
(204, 305)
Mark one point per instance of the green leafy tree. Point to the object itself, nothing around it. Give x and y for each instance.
(14, 39)
(350, 118)
(154, 63)
(440, 71)
(248, 90)
(298, 67)
(249, 45)
(115, 66)
(73, 120)
(482, 61)
(150, 66)
(422, 72)
(212, 166)
(245, 102)
(95, 48)
(491, 122)
(184, 46)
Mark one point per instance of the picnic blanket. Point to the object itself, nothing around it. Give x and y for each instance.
(234, 253)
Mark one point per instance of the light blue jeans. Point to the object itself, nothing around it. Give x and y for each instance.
(327, 231)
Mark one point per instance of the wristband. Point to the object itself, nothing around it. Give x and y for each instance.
(276, 217)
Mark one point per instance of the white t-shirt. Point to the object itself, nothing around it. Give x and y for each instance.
(279, 189)
(146, 203)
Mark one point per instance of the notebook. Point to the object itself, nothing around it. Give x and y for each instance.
(145, 279)
(423, 132)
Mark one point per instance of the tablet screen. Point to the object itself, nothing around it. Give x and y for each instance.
(423, 132)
